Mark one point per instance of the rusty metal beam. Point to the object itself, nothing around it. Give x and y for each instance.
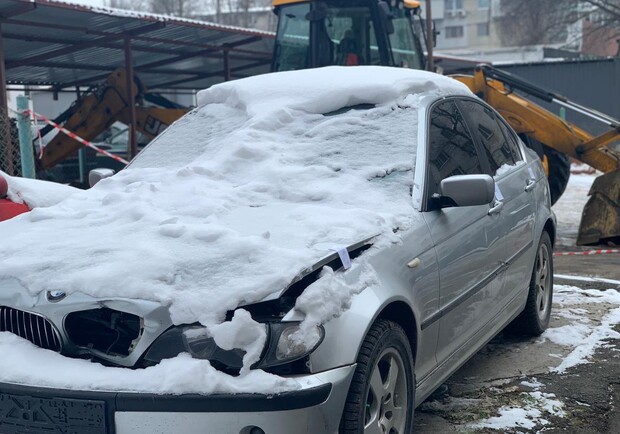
(3, 94)
(131, 99)
(4, 113)
(227, 72)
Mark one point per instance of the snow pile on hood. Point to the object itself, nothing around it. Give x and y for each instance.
(36, 193)
(238, 197)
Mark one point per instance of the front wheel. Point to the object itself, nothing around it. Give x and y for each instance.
(534, 319)
(381, 396)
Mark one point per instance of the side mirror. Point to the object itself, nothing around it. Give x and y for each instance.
(467, 190)
(96, 175)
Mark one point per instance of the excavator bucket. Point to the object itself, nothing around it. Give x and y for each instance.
(600, 221)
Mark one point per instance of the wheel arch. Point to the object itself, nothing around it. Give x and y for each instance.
(400, 313)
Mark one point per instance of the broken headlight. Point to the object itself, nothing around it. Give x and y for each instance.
(283, 345)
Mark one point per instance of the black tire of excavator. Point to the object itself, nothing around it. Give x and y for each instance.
(558, 163)
(559, 172)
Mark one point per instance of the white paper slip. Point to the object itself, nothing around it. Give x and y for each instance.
(343, 253)
(498, 193)
(532, 176)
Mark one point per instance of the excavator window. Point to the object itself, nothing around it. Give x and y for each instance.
(343, 32)
(406, 49)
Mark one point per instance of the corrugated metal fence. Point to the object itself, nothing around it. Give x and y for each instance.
(593, 83)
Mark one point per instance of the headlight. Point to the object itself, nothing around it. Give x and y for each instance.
(283, 345)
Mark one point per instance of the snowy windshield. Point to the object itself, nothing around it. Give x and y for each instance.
(372, 140)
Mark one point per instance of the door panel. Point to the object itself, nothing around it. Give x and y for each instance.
(505, 161)
(469, 252)
(467, 240)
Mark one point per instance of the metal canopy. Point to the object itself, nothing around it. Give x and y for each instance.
(66, 45)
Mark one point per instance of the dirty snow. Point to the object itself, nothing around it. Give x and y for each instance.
(536, 405)
(581, 335)
(236, 199)
(533, 412)
(569, 207)
(586, 338)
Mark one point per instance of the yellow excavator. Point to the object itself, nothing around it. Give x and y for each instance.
(315, 33)
(103, 105)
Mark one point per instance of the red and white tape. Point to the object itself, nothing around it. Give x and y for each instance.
(76, 137)
(587, 252)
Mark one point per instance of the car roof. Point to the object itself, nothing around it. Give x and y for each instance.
(328, 89)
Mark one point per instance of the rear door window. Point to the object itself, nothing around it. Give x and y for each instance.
(496, 147)
(513, 141)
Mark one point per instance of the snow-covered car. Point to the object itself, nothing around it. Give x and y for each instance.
(305, 252)
(19, 195)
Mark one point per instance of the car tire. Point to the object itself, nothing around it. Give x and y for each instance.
(382, 392)
(534, 319)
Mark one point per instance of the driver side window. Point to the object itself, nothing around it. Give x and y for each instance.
(451, 148)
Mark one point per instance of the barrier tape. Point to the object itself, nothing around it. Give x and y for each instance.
(76, 137)
(587, 252)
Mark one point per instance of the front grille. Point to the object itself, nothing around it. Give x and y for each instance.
(30, 326)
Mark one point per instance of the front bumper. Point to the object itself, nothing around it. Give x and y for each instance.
(315, 408)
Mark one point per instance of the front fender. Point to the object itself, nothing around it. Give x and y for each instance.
(344, 335)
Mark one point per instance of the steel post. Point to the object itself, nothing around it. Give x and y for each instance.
(25, 137)
(430, 37)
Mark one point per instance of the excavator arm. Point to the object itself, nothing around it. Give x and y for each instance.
(99, 109)
(601, 218)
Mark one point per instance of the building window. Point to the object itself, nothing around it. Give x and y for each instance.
(454, 32)
(483, 4)
(453, 5)
(482, 29)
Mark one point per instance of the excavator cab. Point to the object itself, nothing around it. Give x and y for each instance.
(313, 34)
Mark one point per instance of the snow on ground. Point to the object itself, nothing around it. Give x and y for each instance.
(582, 335)
(536, 406)
(569, 207)
(236, 199)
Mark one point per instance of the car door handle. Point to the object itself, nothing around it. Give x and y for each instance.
(497, 207)
(530, 185)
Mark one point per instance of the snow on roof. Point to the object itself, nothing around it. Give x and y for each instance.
(327, 89)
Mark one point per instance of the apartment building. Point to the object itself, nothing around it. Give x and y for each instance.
(465, 23)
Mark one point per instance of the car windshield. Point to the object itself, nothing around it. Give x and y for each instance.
(370, 141)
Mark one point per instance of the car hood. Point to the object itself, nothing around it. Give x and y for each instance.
(193, 255)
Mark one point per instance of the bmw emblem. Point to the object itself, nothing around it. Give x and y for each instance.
(56, 295)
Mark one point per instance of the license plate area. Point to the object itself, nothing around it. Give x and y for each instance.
(22, 413)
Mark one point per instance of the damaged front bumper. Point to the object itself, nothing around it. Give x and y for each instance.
(314, 408)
